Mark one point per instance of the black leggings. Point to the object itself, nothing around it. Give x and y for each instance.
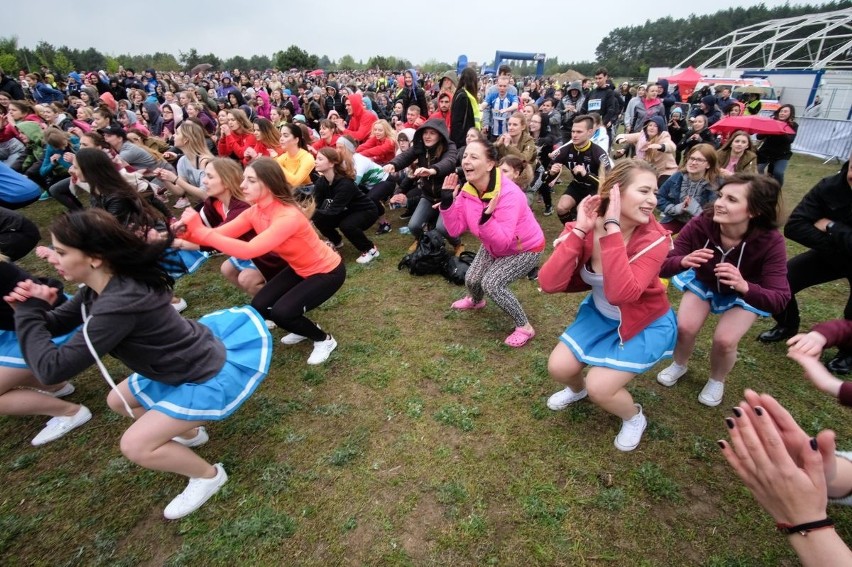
(351, 223)
(809, 269)
(288, 296)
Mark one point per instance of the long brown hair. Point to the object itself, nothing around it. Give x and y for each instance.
(622, 175)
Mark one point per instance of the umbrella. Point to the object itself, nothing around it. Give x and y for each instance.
(752, 125)
(200, 68)
(316, 73)
(751, 89)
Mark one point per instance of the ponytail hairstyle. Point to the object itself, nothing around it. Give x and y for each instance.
(97, 233)
(344, 166)
(622, 175)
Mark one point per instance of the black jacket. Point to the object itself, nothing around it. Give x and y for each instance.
(776, 148)
(11, 86)
(443, 164)
(461, 118)
(340, 197)
(605, 101)
(831, 198)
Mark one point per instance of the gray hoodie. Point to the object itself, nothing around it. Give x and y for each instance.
(133, 323)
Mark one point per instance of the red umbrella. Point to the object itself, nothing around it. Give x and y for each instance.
(752, 125)
(686, 79)
(316, 73)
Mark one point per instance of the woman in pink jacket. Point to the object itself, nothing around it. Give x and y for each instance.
(494, 209)
(626, 325)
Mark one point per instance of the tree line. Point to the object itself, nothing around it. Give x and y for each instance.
(627, 51)
(630, 51)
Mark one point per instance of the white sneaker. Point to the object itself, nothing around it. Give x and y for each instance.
(270, 324)
(368, 256)
(563, 398)
(711, 394)
(292, 339)
(179, 305)
(671, 374)
(200, 439)
(58, 426)
(322, 350)
(197, 492)
(631, 431)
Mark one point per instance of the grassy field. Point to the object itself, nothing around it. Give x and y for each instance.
(423, 441)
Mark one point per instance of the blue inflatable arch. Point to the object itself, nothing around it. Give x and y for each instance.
(501, 56)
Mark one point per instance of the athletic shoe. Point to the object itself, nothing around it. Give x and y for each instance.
(182, 203)
(564, 398)
(384, 228)
(368, 256)
(711, 394)
(631, 431)
(200, 439)
(548, 211)
(58, 426)
(179, 305)
(669, 375)
(65, 390)
(292, 339)
(44, 196)
(322, 350)
(466, 303)
(197, 492)
(270, 324)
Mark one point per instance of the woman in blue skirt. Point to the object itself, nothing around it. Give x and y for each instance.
(735, 265)
(625, 326)
(20, 392)
(186, 372)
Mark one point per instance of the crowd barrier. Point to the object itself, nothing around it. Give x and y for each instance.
(824, 138)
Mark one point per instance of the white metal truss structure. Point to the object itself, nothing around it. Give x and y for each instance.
(815, 41)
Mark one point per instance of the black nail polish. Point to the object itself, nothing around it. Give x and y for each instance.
(729, 422)
(813, 443)
(737, 411)
(758, 410)
(721, 444)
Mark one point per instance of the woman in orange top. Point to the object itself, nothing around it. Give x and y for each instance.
(314, 271)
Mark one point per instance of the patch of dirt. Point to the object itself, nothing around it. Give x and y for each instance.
(162, 534)
(417, 532)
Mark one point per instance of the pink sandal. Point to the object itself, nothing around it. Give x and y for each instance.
(466, 303)
(519, 337)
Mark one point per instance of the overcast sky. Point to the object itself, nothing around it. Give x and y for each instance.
(568, 29)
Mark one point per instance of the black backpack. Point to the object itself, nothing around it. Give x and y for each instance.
(456, 267)
(430, 256)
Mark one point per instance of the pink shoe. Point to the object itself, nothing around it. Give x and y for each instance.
(519, 337)
(467, 303)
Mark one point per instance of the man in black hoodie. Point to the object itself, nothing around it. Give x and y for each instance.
(11, 86)
(822, 222)
(604, 100)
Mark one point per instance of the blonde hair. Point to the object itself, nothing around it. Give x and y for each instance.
(232, 175)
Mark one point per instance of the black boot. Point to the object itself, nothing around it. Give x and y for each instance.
(777, 333)
(841, 364)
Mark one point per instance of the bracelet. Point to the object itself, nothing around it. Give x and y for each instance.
(580, 229)
(804, 529)
(612, 221)
(176, 179)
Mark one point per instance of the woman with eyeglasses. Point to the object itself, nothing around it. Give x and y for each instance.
(685, 194)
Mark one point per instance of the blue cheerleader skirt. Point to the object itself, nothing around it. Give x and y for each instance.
(719, 302)
(10, 350)
(248, 346)
(594, 340)
(241, 265)
(179, 263)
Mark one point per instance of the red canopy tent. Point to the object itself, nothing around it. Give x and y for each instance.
(686, 80)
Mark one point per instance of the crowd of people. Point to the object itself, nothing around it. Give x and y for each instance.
(274, 171)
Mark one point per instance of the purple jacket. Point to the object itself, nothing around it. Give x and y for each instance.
(761, 258)
(838, 333)
(510, 229)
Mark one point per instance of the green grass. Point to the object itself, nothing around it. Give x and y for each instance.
(423, 441)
